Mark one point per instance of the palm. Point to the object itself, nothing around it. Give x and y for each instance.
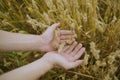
(69, 56)
(49, 39)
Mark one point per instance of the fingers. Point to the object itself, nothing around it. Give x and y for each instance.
(71, 47)
(66, 41)
(77, 63)
(65, 49)
(66, 32)
(62, 41)
(79, 54)
(54, 26)
(78, 47)
(63, 37)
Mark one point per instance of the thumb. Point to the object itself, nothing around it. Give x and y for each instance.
(54, 26)
(75, 64)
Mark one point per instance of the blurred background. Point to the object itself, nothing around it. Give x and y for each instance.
(96, 22)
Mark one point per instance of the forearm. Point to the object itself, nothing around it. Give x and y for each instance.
(28, 72)
(15, 41)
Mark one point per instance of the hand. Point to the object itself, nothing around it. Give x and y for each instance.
(68, 58)
(50, 41)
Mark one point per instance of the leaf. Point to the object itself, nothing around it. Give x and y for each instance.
(25, 55)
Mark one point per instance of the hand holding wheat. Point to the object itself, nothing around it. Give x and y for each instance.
(68, 58)
(50, 40)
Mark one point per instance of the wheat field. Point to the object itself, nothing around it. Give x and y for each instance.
(96, 23)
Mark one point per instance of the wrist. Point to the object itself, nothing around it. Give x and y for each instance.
(46, 60)
(39, 43)
(50, 58)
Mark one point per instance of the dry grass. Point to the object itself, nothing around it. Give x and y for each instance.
(96, 22)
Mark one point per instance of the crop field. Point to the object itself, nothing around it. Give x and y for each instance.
(96, 23)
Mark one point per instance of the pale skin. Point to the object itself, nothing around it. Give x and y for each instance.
(45, 42)
(68, 58)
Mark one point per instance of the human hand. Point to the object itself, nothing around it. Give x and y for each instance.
(50, 41)
(68, 58)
